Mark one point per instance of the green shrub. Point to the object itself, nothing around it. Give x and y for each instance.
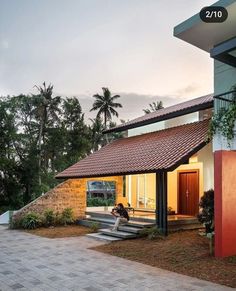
(206, 215)
(31, 220)
(97, 201)
(49, 217)
(95, 226)
(67, 216)
(151, 233)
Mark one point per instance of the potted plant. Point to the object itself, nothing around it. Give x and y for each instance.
(170, 211)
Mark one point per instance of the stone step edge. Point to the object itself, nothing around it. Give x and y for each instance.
(121, 234)
(100, 236)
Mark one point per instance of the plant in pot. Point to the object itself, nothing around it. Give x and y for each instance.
(170, 211)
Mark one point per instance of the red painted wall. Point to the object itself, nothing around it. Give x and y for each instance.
(225, 203)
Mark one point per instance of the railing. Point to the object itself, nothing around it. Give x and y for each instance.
(223, 101)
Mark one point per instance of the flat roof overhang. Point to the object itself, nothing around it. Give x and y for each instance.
(208, 35)
(187, 107)
(175, 114)
(225, 52)
(159, 151)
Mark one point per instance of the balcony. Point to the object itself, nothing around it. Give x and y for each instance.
(223, 101)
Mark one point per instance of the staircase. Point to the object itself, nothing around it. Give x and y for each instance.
(131, 229)
(106, 222)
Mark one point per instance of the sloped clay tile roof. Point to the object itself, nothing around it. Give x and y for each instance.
(151, 152)
(190, 106)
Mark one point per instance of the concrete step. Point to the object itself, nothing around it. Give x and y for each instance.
(139, 224)
(127, 228)
(89, 223)
(183, 221)
(103, 237)
(109, 216)
(101, 220)
(118, 233)
(185, 227)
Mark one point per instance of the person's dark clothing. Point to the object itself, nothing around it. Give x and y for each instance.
(123, 212)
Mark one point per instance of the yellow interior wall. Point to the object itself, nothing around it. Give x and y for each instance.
(202, 161)
(150, 187)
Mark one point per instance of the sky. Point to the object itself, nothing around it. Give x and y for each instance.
(81, 46)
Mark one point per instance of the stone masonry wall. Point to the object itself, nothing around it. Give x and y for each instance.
(69, 194)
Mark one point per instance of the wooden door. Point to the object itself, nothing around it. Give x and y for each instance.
(188, 183)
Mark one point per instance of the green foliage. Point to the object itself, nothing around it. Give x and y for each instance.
(96, 201)
(105, 105)
(223, 122)
(41, 135)
(206, 215)
(31, 220)
(67, 216)
(95, 226)
(49, 217)
(154, 106)
(151, 233)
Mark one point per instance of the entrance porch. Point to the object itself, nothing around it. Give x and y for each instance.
(159, 171)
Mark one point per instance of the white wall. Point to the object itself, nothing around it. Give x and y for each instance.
(147, 128)
(5, 217)
(180, 120)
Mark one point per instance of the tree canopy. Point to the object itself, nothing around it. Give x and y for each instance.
(41, 135)
(105, 105)
(154, 106)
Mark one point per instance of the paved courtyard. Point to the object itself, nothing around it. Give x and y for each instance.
(29, 262)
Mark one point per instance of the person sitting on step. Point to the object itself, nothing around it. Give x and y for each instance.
(114, 211)
(121, 216)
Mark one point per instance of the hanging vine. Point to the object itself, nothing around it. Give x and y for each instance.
(223, 122)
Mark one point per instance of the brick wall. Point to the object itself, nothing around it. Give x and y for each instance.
(72, 194)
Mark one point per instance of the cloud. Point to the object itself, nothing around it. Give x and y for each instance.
(133, 104)
(187, 90)
(4, 44)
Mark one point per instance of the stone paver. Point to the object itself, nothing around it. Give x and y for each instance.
(34, 263)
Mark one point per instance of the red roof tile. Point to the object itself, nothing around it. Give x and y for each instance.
(151, 152)
(190, 106)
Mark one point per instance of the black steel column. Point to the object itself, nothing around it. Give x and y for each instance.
(161, 202)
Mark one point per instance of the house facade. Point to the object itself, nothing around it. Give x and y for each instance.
(219, 41)
(165, 162)
(198, 171)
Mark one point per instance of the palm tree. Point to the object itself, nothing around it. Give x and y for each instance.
(105, 105)
(46, 108)
(97, 137)
(154, 106)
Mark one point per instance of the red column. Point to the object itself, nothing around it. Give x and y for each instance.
(225, 203)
